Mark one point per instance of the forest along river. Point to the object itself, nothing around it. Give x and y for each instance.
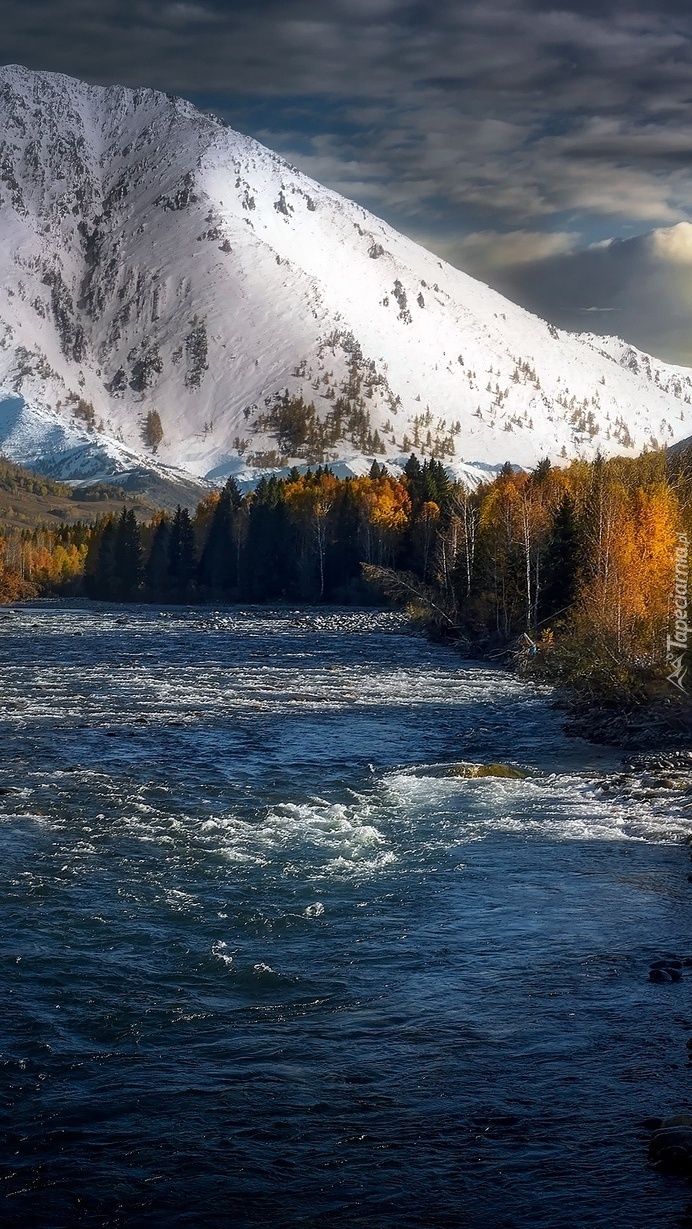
(266, 963)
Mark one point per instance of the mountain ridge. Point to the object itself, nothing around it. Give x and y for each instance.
(156, 261)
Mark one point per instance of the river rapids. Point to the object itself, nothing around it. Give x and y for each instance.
(273, 956)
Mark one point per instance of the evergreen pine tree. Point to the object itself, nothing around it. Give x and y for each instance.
(267, 565)
(156, 571)
(152, 431)
(540, 473)
(91, 563)
(127, 555)
(342, 565)
(104, 582)
(181, 555)
(561, 562)
(218, 566)
(414, 476)
(435, 484)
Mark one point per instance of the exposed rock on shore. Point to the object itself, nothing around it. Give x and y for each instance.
(659, 724)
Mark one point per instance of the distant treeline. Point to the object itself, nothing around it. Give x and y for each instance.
(15, 479)
(581, 559)
(35, 562)
(301, 538)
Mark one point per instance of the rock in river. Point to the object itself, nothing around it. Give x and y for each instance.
(670, 1147)
(486, 770)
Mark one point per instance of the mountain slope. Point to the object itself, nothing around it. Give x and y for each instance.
(154, 260)
(28, 501)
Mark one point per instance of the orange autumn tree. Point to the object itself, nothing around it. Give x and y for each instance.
(53, 568)
(385, 509)
(627, 580)
(40, 561)
(14, 585)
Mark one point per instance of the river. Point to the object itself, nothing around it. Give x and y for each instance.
(266, 963)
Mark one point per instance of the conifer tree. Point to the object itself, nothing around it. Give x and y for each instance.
(561, 562)
(152, 431)
(342, 567)
(104, 583)
(542, 470)
(435, 485)
(156, 571)
(91, 563)
(127, 556)
(218, 566)
(181, 555)
(267, 551)
(413, 472)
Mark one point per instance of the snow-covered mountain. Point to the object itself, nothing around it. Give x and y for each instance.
(154, 262)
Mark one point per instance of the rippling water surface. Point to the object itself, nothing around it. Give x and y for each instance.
(264, 963)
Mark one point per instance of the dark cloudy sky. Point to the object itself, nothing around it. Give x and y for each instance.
(508, 135)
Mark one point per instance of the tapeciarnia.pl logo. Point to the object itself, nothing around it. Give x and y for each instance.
(676, 645)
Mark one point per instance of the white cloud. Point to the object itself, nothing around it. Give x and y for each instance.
(673, 245)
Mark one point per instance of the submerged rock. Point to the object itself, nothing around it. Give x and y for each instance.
(670, 1148)
(486, 770)
(666, 969)
(664, 975)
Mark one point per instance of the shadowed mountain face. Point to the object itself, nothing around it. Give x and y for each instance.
(155, 263)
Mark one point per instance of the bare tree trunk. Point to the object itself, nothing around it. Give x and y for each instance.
(526, 528)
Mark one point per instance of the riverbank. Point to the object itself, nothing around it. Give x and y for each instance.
(657, 719)
(656, 726)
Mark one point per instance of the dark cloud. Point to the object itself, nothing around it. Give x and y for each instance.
(450, 117)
